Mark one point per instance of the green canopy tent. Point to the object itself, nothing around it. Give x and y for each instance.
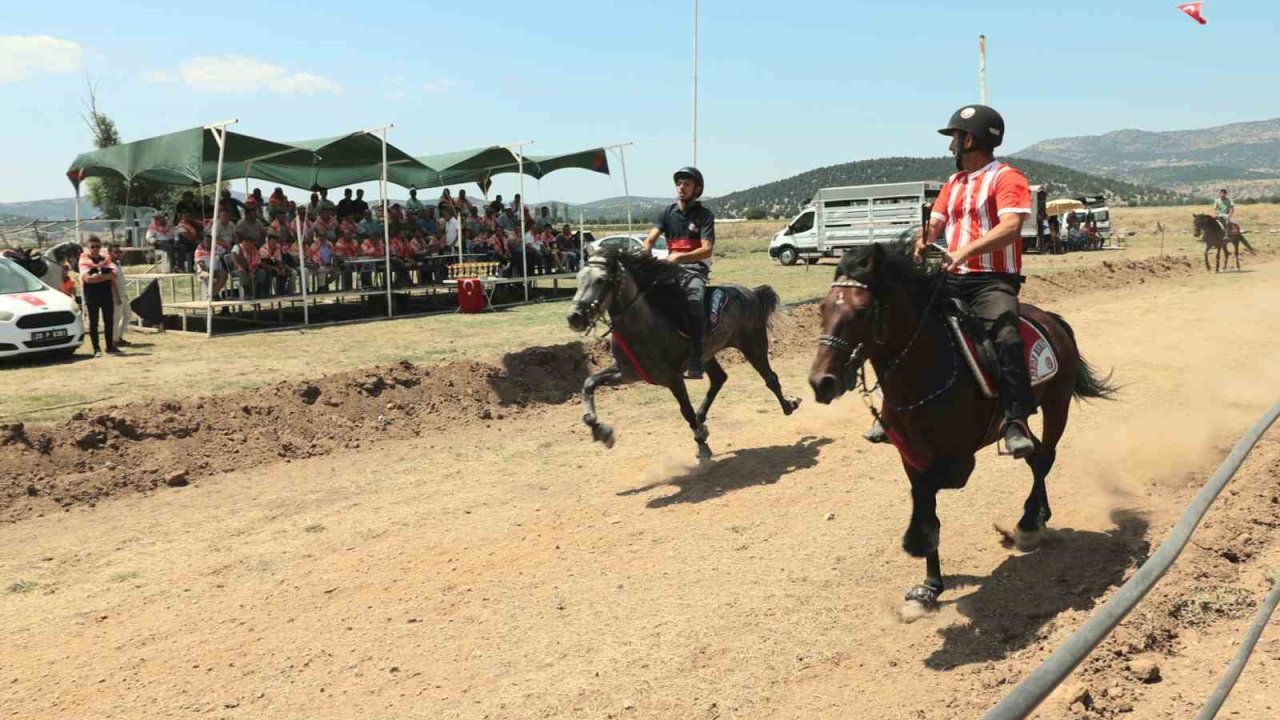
(195, 156)
(478, 165)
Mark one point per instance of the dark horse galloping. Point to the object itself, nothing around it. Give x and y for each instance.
(884, 308)
(643, 299)
(1212, 234)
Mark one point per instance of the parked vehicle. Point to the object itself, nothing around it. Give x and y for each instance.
(1096, 211)
(843, 217)
(35, 318)
(632, 243)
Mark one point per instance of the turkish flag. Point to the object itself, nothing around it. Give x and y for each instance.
(1192, 9)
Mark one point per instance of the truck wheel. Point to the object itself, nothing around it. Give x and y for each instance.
(788, 255)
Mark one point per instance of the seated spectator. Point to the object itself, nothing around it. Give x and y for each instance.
(278, 201)
(517, 206)
(250, 274)
(343, 250)
(507, 220)
(413, 205)
(568, 248)
(222, 264)
(320, 261)
(474, 224)
(273, 261)
(313, 206)
(162, 236)
(349, 225)
(190, 233)
(359, 206)
(285, 231)
(496, 205)
(372, 247)
(327, 224)
(401, 258)
(427, 221)
(251, 227)
(369, 226)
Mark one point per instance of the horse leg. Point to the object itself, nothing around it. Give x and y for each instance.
(1207, 248)
(1237, 243)
(921, 540)
(700, 433)
(717, 376)
(599, 431)
(757, 353)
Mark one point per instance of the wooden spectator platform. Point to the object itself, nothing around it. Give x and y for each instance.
(254, 308)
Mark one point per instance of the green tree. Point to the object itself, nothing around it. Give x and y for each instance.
(111, 194)
(756, 214)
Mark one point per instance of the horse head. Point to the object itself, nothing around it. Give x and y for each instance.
(867, 312)
(599, 279)
(68, 252)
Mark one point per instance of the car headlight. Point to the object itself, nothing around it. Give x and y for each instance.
(6, 316)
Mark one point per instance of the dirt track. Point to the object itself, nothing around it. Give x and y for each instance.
(482, 559)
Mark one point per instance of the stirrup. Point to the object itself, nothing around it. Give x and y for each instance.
(1021, 452)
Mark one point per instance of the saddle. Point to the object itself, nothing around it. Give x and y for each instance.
(979, 351)
(713, 302)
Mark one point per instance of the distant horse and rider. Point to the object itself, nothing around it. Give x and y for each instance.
(1210, 231)
(51, 264)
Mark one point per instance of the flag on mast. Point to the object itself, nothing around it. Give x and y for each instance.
(1192, 9)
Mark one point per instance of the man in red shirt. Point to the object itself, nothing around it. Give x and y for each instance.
(981, 208)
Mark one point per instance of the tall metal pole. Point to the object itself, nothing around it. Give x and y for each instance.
(219, 131)
(77, 214)
(302, 269)
(524, 202)
(695, 82)
(386, 219)
(982, 69)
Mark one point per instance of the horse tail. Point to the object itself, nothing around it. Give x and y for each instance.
(1246, 244)
(768, 299)
(1088, 385)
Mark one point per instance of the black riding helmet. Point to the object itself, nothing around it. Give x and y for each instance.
(982, 122)
(693, 174)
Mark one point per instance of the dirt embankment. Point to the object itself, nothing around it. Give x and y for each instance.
(141, 447)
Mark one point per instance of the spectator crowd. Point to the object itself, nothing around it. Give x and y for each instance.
(344, 243)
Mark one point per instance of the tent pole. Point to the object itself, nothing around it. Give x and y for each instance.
(524, 246)
(78, 213)
(302, 269)
(386, 218)
(219, 131)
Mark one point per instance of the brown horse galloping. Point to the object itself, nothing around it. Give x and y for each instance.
(885, 308)
(1211, 233)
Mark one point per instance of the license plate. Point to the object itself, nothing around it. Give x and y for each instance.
(47, 335)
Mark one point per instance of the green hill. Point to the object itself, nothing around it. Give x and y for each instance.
(786, 197)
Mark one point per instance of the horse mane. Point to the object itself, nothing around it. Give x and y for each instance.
(645, 269)
(897, 264)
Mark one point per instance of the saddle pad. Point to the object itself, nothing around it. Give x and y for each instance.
(715, 299)
(1042, 364)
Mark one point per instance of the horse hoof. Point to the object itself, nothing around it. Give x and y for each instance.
(921, 600)
(704, 453)
(792, 404)
(1028, 541)
(603, 434)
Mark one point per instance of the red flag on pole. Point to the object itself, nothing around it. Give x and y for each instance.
(1192, 9)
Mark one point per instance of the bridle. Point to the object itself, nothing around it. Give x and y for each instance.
(613, 286)
(854, 370)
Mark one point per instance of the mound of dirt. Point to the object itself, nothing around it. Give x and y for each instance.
(140, 447)
(1043, 290)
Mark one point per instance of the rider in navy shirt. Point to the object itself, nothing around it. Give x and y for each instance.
(690, 229)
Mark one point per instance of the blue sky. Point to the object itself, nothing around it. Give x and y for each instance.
(783, 88)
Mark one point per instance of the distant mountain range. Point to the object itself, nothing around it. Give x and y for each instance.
(1243, 156)
(785, 197)
(52, 209)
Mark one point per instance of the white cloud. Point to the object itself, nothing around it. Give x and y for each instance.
(237, 73)
(395, 95)
(161, 77)
(437, 85)
(22, 56)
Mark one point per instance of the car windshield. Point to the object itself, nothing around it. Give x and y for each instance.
(618, 242)
(14, 279)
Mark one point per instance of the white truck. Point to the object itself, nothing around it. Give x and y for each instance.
(843, 217)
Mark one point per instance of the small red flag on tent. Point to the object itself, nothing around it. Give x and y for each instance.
(1192, 9)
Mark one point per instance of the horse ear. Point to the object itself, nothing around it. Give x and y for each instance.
(876, 261)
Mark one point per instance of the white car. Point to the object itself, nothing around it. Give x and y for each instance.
(35, 318)
(630, 242)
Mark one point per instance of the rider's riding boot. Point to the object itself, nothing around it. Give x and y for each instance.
(1017, 399)
(697, 326)
(875, 433)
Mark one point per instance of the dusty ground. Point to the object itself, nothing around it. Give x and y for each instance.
(480, 558)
